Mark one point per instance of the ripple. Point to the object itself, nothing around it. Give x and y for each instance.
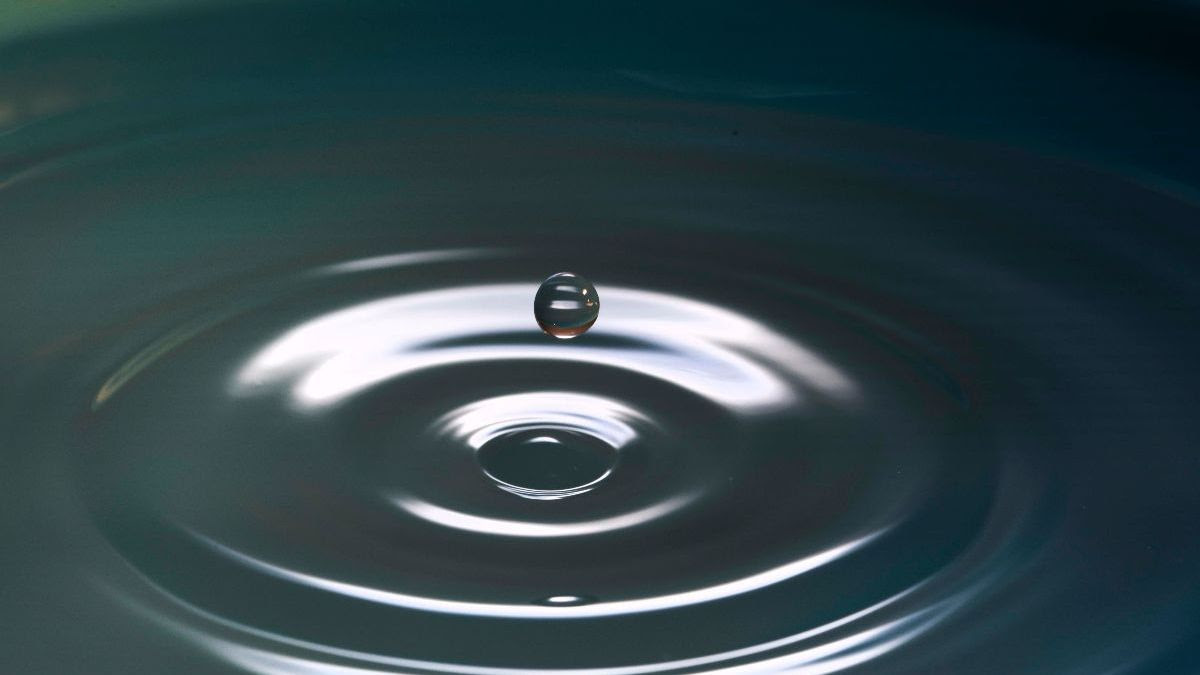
(817, 428)
(709, 350)
(747, 584)
(512, 528)
(567, 442)
(494, 476)
(478, 423)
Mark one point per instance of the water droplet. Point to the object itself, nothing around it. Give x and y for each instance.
(566, 305)
(546, 463)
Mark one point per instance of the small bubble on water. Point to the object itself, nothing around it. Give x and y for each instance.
(566, 305)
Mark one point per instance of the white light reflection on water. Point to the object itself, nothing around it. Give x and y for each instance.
(404, 259)
(719, 591)
(602, 418)
(515, 528)
(828, 657)
(713, 352)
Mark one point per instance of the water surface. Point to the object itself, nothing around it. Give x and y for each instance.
(894, 371)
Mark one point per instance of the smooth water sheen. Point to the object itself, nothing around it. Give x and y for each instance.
(880, 385)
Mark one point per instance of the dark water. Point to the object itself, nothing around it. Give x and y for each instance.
(895, 372)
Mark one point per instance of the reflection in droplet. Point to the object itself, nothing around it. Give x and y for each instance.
(566, 305)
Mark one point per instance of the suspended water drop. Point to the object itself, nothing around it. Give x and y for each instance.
(566, 305)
